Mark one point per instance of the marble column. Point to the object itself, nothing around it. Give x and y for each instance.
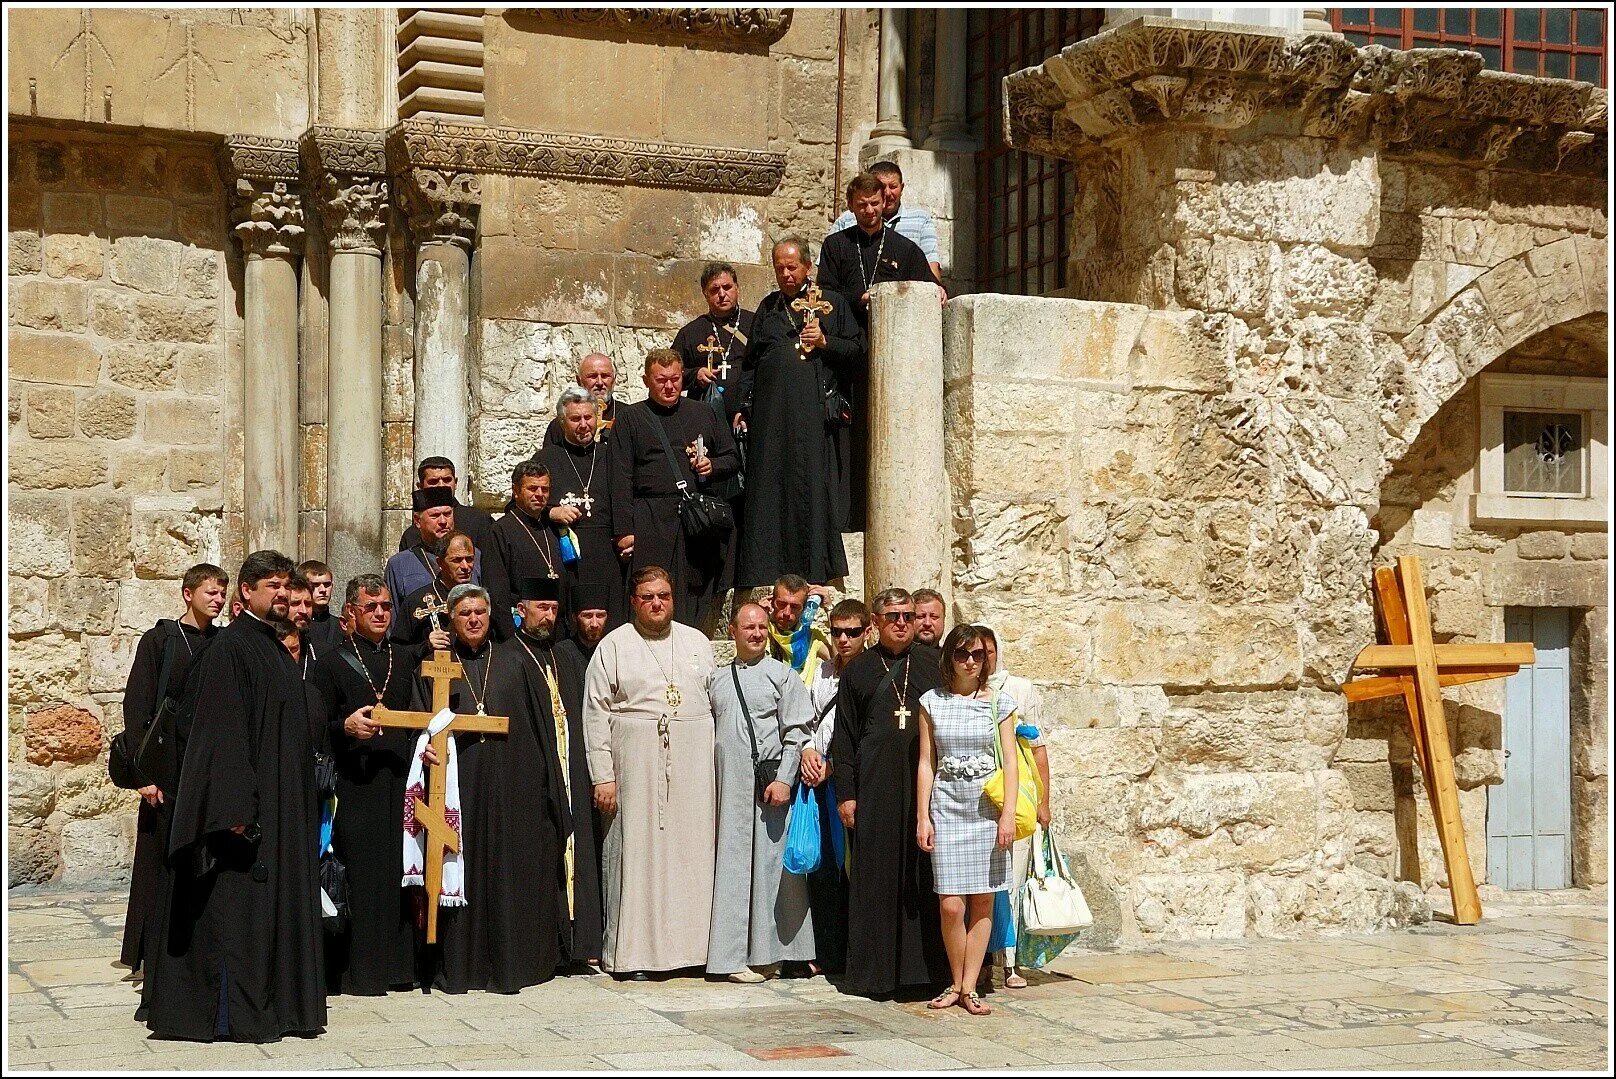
(270, 228)
(353, 206)
(443, 219)
(950, 129)
(907, 542)
(1316, 20)
(890, 132)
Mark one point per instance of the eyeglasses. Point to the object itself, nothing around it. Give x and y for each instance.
(899, 616)
(378, 605)
(852, 631)
(973, 655)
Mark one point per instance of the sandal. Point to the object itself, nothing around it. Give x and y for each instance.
(946, 999)
(973, 1004)
(1013, 980)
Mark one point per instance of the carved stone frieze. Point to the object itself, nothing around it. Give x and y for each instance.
(257, 157)
(452, 149)
(268, 216)
(752, 25)
(1154, 70)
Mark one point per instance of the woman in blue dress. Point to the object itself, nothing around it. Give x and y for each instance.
(968, 837)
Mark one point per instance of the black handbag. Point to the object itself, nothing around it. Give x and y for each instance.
(764, 772)
(152, 759)
(701, 516)
(838, 409)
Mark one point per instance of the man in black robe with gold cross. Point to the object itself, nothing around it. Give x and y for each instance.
(514, 816)
(645, 510)
(894, 928)
(239, 955)
(538, 600)
(805, 343)
(523, 543)
(423, 616)
(378, 952)
(580, 499)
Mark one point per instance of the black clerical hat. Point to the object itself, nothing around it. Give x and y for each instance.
(533, 588)
(424, 498)
(592, 597)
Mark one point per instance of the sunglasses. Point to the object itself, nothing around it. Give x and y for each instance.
(974, 655)
(899, 616)
(855, 631)
(378, 605)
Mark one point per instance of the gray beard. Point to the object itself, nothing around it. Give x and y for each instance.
(437, 546)
(542, 635)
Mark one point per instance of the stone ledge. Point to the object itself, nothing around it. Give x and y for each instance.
(747, 25)
(1162, 71)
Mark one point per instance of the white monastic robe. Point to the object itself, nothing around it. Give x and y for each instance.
(659, 846)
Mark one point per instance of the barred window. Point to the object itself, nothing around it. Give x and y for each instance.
(1557, 43)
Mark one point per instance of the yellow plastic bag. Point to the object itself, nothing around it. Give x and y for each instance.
(1028, 795)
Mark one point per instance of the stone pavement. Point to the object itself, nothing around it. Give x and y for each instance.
(1526, 990)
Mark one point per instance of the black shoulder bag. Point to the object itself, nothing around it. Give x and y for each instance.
(764, 772)
(133, 764)
(701, 516)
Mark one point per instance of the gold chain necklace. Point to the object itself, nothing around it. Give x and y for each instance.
(671, 694)
(537, 546)
(488, 668)
(388, 677)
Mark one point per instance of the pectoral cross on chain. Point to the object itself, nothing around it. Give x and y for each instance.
(441, 833)
(903, 715)
(585, 501)
(711, 348)
(432, 607)
(812, 304)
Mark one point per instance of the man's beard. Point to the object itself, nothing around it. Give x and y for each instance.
(539, 634)
(436, 546)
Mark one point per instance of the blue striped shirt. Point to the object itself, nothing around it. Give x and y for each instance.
(911, 222)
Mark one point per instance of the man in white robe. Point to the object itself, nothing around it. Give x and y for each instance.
(648, 726)
(760, 912)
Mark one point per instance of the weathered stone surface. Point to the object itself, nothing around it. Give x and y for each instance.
(1166, 645)
(38, 536)
(1588, 546)
(50, 305)
(47, 670)
(108, 415)
(71, 255)
(169, 540)
(146, 264)
(161, 318)
(1265, 732)
(30, 793)
(50, 412)
(63, 733)
(1538, 545)
(144, 366)
(36, 357)
(32, 855)
(95, 850)
(101, 536)
(24, 253)
(1190, 906)
(180, 421)
(57, 466)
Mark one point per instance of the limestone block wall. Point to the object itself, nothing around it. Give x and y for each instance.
(568, 266)
(1475, 571)
(124, 349)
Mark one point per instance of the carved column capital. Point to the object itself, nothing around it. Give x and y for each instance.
(268, 217)
(443, 206)
(350, 170)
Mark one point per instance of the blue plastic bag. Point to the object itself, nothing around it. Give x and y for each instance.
(1004, 927)
(802, 851)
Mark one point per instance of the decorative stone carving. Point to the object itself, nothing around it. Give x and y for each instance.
(462, 148)
(752, 25)
(442, 205)
(269, 217)
(257, 157)
(353, 210)
(1156, 70)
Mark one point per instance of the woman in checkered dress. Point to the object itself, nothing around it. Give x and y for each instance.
(967, 836)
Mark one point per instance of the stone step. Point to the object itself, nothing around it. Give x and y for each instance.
(853, 583)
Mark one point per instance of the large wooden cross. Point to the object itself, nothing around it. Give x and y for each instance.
(1424, 668)
(442, 670)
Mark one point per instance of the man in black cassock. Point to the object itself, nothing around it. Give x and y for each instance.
(423, 616)
(240, 956)
(580, 499)
(852, 262)
(440, 472)
(523, 544)
(323, 631)
(378, 953)
(514, 816)
(804, 341)
(712, 346)
(540, 606)
(435, 515)
(163, 658)
(598, 376)
(645, 509)
(894, 930)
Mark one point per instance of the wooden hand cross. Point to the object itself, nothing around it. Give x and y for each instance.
(441, 669)
(1424, 668)
(812, 304)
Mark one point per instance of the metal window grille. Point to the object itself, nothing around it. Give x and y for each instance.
(1557, 43)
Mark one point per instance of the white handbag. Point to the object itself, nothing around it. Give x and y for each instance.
(1052, 903)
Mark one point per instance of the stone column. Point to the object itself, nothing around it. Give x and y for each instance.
(949, 127)
(908, 539)
(443, 217)
(353, 207)
(1316, 20)
(268, 211)
(890, 132)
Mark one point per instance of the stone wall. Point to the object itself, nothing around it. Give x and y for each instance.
(122, 330)
(1474, 572)
(567, 266)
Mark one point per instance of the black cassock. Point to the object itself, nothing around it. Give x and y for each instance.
(577, 472)
(240, 955)
(514, 815)
(378, 951)
(149, 874)
(851, 263)
(603, 430)
(587, 834)
(520, 546)
(411, 630)
(472, 521)
(894, 931)
(797, 466)
(720, 344)
(646, 502)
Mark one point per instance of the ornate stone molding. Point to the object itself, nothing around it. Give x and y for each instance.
(344, 149)
(256, 157)
(451, 149)
(268, 216)
(1160, 71)
(751, 25)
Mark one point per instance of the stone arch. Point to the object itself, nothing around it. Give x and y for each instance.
(1520, 297)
